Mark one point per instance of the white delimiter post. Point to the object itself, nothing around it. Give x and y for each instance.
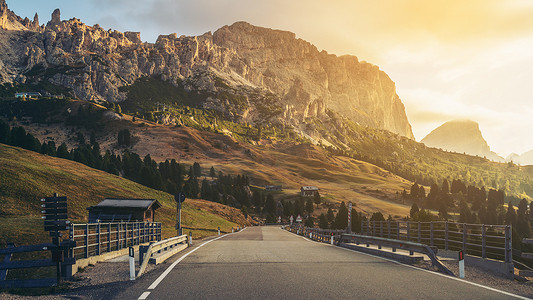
(219, 230)
(132, 263)
(332, 238)
(461, 265)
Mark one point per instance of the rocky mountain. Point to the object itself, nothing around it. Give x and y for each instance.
(238, 70)
(523, 159)
(462, 136)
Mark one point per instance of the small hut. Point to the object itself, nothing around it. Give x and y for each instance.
(124, 210)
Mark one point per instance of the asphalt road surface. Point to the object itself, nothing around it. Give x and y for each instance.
(270, 263)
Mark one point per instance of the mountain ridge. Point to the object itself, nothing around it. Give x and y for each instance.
(243, 59)
(461, 136)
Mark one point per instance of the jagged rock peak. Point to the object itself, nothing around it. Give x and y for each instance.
(35, 19)
(56, 17)
(3, 6)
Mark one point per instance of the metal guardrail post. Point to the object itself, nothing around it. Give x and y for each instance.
(465, 233)
(374, 228)
(388, 229)
(508, 244)
(446, 235)
(483, 241)
(431, 235)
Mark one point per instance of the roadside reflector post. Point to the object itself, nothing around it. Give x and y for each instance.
(232, 230)
(132, 263)
(218, 230)
(461, 265)
(190, 238)
(332, 238)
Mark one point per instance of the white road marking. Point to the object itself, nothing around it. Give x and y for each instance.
(167, 271)
(435, 273)
(144, 296)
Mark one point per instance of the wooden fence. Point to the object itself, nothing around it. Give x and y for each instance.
(97, 238)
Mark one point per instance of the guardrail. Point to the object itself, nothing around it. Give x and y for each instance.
(93, 239)
(486, 241)
(339, 237)
(317, 234)
(397, 244)
(8, 264)
(158, 247)
(527, 273)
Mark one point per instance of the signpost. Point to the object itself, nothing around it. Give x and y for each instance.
(299, 219)
(55, 219)
(279, 219)
(349, 229)
(179, 197)
(291, 219)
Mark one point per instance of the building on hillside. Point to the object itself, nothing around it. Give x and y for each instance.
(28, 95)
(308, 191)
(273, 188)
(124, 210)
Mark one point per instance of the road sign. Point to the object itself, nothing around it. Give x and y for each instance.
(55, 214)
(279, 219)
(179, 197)
(299, 219)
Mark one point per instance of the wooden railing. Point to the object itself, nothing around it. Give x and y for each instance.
(8, 263)
(94, 239)
(486, 241)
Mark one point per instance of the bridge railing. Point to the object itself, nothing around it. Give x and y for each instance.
(486, 241)
(94, 239)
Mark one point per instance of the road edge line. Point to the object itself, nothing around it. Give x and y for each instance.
(169, 269)
(416, 268)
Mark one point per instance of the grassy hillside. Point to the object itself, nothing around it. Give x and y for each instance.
(26, 177)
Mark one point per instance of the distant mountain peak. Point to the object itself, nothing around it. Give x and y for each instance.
(462, 136)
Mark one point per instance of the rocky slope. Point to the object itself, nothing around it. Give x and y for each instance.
(462, 136)
(251, 63)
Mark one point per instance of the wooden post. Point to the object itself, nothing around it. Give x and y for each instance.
(431, 234)
(380, 228)
(7, 258)
(388, 229)
(446, 235)
(108, 237)
(408, 231)
(464, 237)
(419, 232)
(98, 239)
(508, 244)
(483, 241)
(397, 230)
(87, 240)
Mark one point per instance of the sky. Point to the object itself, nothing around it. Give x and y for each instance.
(450, 59)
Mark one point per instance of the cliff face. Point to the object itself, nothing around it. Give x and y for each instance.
(95, 63)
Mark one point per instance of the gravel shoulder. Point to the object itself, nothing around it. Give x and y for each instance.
(483, 277)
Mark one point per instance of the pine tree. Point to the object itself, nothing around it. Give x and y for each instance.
(317, 199)
(330, 216)
(323, 221)
(341, 220)
(197, 169)
(414, 210)
(309, 206)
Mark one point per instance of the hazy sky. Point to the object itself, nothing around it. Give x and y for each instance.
(450, 59)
